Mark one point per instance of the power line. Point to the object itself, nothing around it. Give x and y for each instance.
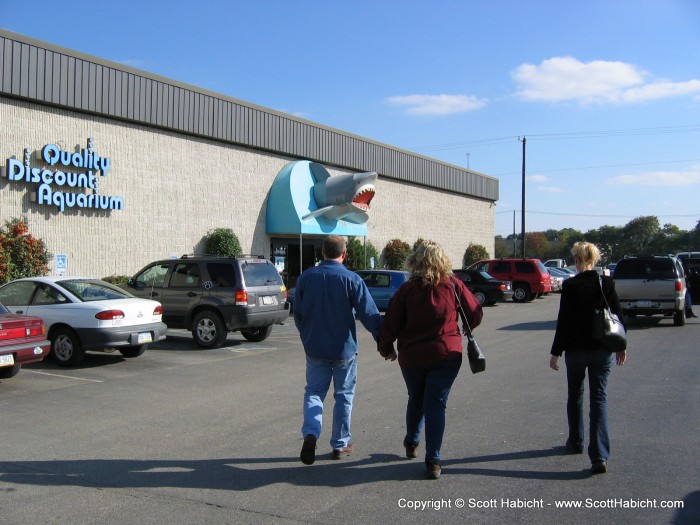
(599, 167)
(596, 215)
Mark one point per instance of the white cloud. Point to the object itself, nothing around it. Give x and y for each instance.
(597, 82)
(437, 104)
(536, 178)
(660, 178)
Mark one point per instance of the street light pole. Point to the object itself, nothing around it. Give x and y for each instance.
(522, 207)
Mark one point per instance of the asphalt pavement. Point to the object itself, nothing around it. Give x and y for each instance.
(182, 435)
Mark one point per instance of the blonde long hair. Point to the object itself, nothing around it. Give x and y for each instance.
(428, 263)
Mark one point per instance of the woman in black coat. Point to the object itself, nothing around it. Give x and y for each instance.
(581, 295)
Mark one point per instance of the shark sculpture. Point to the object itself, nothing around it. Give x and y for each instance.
(305, 198)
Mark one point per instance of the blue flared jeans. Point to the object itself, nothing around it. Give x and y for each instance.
(319, 374)
(599, 364)
(428, 387)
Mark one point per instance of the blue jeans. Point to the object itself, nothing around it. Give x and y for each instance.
(428, 388)
(319, 373)
(599, 364)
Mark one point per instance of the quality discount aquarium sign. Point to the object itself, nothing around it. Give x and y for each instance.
(65, 179)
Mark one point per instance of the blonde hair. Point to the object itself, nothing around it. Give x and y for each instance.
(586, 253)
(428, 263)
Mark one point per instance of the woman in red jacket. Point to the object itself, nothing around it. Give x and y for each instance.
(423, 315)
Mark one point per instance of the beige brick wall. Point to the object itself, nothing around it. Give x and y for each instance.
(176, 188)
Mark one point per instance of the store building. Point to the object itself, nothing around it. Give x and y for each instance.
(114, 167)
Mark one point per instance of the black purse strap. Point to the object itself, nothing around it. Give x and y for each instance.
(600, 281)
(466, 329)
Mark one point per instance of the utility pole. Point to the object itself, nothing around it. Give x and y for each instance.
(522, 207)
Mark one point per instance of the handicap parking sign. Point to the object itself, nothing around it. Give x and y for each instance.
(61, 263)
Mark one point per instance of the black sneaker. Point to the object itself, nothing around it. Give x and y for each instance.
(433, 469)
(573, 449)
(599, 467)
(410, 449)
(308, 450)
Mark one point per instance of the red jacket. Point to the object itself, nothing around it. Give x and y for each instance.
(425, 322)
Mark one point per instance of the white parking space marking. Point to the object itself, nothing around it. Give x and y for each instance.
(59, 375)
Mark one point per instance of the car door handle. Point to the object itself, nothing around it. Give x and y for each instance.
(153, 294)
(191, 294)
(19, 312)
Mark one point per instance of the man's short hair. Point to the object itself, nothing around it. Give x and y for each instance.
(333, 246)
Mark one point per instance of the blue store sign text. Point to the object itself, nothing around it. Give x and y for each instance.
(74, 170)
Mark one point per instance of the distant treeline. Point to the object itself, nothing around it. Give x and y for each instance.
(643, 235)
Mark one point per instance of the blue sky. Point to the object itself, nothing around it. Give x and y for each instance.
(606, 92)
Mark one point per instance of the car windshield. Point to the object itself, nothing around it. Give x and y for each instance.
(93, 290)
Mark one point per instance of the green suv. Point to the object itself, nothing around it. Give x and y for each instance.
(211, 296)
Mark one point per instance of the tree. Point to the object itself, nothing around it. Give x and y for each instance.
(395, 253)
(21, 254)
(223, 242)
(474, 253)
(639, 234)
(360, 255)
(503, 247)
(536, 245)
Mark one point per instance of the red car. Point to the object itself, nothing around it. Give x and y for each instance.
(22, 340)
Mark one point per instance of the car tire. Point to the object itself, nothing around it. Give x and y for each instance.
(6, 372)
(133, 351)
(679, 318)
(480, 297)
(208, 329)
(256, 335)
(521, 293)
(66, 349)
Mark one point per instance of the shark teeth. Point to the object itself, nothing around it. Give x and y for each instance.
(363, 198)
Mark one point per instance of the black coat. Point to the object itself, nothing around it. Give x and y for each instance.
(580, 296)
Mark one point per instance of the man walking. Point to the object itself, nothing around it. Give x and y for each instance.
(326, 301)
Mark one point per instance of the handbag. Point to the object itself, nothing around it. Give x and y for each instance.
(477, 361)
(608, 330)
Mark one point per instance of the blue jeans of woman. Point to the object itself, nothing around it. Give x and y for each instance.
(428, 387)
(599, 364)
(319, 373)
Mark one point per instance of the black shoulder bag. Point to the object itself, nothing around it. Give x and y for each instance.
(477, 361)
(608, 330)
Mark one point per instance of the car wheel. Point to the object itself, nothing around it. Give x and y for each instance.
(480, 297)
(257, 334)
(208, 329)
(521, 293)
(133, 351)
(7, 372)
(66, 349)
(679, 318)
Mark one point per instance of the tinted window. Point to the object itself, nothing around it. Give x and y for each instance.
(260, 274)
(92, 290)
(525, 267)
(501, 267)
(483, 267)
(186, 274)
(17, 293)
(222, 274)
(46, 294)
(645, 269)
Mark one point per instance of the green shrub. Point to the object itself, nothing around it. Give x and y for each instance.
(357, 258)
(474, 253)
(21, 254)
(395, 253)
(223, 242)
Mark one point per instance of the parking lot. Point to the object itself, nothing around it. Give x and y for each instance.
(186, 435)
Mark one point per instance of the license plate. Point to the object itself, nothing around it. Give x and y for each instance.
(7, 360)
(644, 304)
(145, 337)
(268, 299)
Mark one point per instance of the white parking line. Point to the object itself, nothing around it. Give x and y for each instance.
(59, 375)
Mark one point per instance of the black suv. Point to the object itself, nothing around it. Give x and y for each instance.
(212, 296)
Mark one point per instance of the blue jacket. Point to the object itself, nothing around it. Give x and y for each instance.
(326, 300)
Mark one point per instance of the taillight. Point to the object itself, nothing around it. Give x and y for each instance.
(502, 287)
(679, 286)
(241, 297)
(158, 310)
(110, 315)
(36, 329)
